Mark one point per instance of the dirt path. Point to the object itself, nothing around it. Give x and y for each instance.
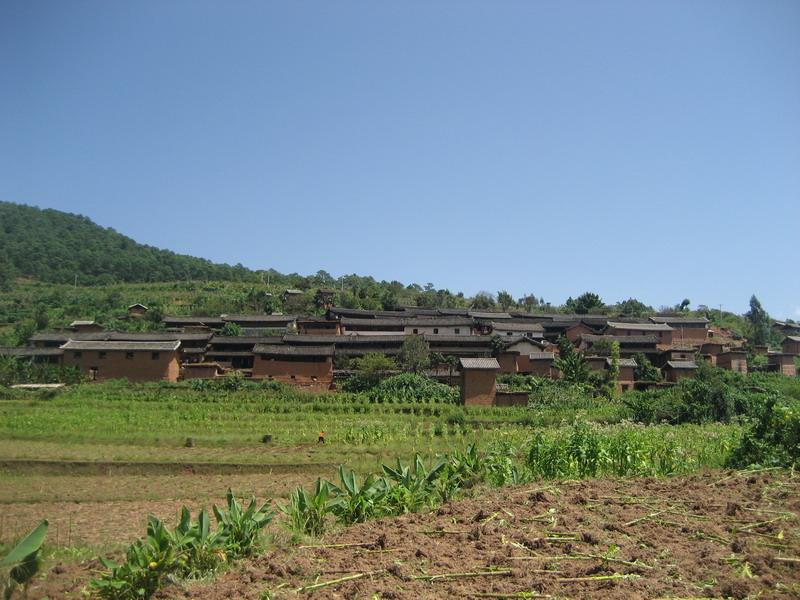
(705, 536)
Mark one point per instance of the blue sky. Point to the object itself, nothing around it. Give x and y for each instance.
(629, 148)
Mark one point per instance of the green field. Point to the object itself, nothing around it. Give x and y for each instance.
(96, 459)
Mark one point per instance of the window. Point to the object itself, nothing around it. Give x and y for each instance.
(416, 331)
(155, 355)
(77, 354)
(457, 331)
(101, 355)
(435, 330)
(129, 355)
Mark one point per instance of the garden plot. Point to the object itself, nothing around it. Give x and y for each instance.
(714, 535)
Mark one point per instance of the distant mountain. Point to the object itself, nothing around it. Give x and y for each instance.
(55, 246)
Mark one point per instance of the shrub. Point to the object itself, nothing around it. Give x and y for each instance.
(409, 387)
(714, 395)
(772, 438)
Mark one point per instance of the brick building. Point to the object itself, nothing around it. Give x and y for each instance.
(791, 345)
(782, 363)
(308, 367)
(732, 360)
(135, 361)
(685, 329)
(661, 331)
(675, 370)
(478, 381)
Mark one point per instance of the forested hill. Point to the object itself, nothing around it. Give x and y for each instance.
(55, 246)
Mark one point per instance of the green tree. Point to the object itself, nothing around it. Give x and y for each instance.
(528, 302)
(6, 275)
(41, 317)
(634, 308)
(602, 347)
(372, 367)
(498, 344)
(505, 300)
(414, 354)
(572, 364)
(684, 305)
(758, 319)
(483, 301)
(232, 329)
(645, 371)
(612, 374)
(584, 303)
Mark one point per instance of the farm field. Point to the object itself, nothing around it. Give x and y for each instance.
(96, 460)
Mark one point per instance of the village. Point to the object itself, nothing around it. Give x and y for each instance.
(314, 353)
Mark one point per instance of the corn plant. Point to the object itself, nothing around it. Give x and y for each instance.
(307, 511)
(20, 565)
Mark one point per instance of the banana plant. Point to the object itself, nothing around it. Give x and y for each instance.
(202, 550)
(22, 563)
(412, 488)
(307, 511)
(356, 502)
(241, 527)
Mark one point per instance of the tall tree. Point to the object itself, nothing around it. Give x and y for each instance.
(758, 319)
(633, 308)
(505, 300)
(584, 303)
(572, 364)
(483, 300)
(414, 354)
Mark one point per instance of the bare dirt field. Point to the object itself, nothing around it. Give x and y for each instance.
(108, 507)
(714, 535)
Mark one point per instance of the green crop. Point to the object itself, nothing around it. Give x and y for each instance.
(191, 549)
(19, 566)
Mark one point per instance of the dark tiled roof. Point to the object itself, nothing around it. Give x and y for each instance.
(490, 315)
(201, 320)
(258, 318)
(25, 352)
(468, 340)
(344, 340)
(622, 339)
(122, 346)
(640, 326)
(284, 350)
(516, 326)
(243, 340)
(681, 364)
(120, 336)
(678, 321)
(366, 314)
(480, 363)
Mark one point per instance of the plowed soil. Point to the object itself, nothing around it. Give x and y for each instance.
(714, 535)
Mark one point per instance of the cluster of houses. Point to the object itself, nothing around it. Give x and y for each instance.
(311, 352)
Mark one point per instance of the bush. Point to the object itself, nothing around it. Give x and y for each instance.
(408, 387)
(772, 438)
(714, 396)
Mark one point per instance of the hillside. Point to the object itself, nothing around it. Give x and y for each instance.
(54, 246)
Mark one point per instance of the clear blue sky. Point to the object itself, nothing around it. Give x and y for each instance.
(629, 148)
